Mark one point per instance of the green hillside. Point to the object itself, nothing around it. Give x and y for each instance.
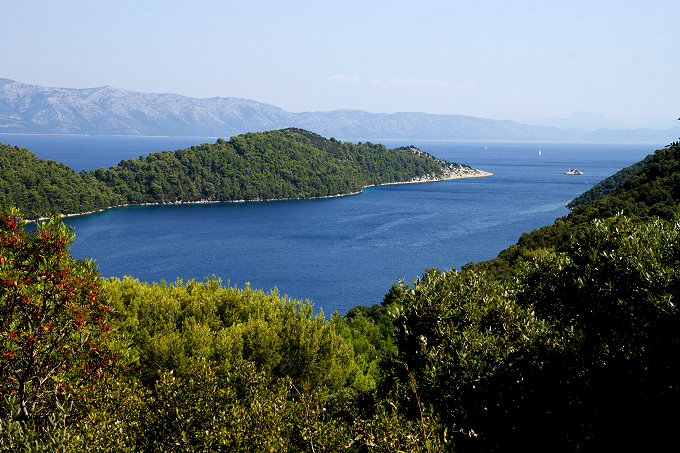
(568, 341)
(283, 164)
(40, 187)
(608, 185)
(649, 188)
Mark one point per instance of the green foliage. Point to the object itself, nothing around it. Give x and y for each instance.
(27, 436)
(580, 351)
(289, 163)
(171, 325)
(112, 416)
(608, 185)
(54, 329)
(651, 191)
(474, 353)
(371, 333)
(391, 429)
(243, 411)
(42, 188)
(613, 292)
(284, 164)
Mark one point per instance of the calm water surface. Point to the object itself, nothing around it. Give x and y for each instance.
(338, 252)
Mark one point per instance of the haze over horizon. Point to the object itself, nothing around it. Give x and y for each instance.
(523, 60)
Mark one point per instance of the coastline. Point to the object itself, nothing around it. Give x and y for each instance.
(453, 173)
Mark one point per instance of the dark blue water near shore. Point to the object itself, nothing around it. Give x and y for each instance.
(347, 251)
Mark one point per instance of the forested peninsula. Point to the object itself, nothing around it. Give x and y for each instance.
(608, 185)
(275, 165)
(567, 341)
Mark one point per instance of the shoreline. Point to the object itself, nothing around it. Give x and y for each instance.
(452, 174)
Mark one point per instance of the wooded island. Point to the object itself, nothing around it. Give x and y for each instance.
(274, 165)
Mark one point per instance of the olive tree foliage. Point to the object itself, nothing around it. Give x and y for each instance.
(582, 350)
(55, 335)
(473, 353)
(226, 369)
(209, 367)
(615, 292)
(173, 324)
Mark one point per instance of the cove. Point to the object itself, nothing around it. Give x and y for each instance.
(338, 252)
(348, 251)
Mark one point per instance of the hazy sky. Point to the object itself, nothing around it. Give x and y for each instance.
(495, 59)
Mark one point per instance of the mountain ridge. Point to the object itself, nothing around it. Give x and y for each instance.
(107, 110)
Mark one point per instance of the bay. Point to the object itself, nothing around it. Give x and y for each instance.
(338, 252)
(90, 152)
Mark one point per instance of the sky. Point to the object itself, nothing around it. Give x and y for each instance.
(518, 60)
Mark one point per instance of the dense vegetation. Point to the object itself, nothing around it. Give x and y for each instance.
(608, 185)
(651, 191)
(283, 164)
(580, 352)
(188, 367)
(572, 344)
(40, 187)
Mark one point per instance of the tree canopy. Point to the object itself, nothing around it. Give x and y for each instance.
(566, 342)
(653, 190)
(42, 187)
(282, 164)
(54, 328)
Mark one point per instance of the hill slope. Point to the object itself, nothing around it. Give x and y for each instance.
(568, 340)
(608, 185)
(39, 186)
(579, 351)
(282, 164)
(649, 188)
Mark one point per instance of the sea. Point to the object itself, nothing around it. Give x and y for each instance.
(336, 252)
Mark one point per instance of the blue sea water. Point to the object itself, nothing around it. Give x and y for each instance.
(338, 252)
(93, 151)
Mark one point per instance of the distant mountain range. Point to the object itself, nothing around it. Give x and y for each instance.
(33, 109)
(580, 120)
